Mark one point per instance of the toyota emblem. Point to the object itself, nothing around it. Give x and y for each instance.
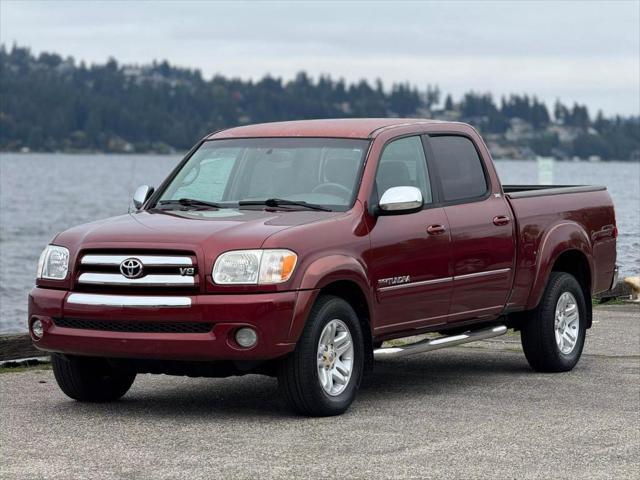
(131, 268)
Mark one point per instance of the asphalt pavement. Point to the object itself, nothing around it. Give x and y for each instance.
(475, 411)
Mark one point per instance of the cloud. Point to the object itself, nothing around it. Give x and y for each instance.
(587, 52)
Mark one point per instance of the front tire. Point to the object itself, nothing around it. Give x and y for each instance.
(553, 337)
(322, 375)
(88, 379)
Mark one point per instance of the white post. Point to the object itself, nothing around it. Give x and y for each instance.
(545, 170)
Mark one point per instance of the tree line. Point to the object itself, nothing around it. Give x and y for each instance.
(52, 103)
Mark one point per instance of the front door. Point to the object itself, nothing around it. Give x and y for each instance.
(410, 253)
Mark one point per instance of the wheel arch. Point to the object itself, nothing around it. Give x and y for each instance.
(350, 292)
(575, 263)
(566, 247)
(338, 275)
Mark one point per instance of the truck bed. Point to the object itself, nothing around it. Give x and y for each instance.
(541, 211)
(525, 191)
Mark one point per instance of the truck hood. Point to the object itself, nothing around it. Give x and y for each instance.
(225, 229)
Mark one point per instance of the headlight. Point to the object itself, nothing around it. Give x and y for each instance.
(254, 267)
(53, 263)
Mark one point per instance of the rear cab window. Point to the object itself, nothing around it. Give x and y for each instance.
(459, 168)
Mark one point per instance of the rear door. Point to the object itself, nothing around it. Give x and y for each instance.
(482, 230)
(409, 265)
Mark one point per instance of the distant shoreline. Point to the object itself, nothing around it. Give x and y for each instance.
(90, 152)
(179, 153)
(160, 108)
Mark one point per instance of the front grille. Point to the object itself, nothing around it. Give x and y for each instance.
(98, 270)
(133, 327)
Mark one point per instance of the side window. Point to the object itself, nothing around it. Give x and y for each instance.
(403, 164)
(459, 167)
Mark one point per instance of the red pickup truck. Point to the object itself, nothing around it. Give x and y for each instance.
(296, 249)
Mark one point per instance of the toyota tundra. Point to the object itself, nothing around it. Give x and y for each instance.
(295, 249)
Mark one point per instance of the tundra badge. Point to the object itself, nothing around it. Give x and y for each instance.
(387, 282)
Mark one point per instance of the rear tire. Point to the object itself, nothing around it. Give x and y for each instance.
(313, 378)
(553, 336)
(88, 379)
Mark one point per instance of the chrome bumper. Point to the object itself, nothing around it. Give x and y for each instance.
(128, 301)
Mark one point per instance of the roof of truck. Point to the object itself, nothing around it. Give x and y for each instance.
(339, 127)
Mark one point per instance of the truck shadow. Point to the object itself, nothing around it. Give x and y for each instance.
(441, 373)
(158, 397)
(254, 396)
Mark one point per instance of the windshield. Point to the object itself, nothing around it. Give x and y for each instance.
(317, 171)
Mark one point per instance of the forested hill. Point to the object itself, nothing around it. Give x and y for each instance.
(51, 103)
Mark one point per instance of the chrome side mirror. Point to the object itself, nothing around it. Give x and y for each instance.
(143, 192)
(397, 200)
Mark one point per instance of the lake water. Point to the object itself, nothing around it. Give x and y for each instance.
(42, 194)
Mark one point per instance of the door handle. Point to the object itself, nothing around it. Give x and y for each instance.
(501, 220)
(436, 229)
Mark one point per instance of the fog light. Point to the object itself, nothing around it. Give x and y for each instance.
(36, 329)
(246, 337)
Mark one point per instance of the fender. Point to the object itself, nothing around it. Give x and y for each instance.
(558, 239)
(320, 273)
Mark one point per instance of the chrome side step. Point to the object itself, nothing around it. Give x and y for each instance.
(440, 342)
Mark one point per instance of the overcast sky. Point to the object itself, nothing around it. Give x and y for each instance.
(578, 51)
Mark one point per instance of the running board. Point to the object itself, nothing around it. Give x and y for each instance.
(440, 342)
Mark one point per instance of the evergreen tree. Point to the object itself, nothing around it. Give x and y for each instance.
(448, 103)
(432, 96)
(48, 102)
(560, 112)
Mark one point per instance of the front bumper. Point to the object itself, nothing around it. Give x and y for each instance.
(270, 314)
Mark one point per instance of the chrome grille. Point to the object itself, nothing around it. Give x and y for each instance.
(104, 269)
(144, 281)
(150, 260)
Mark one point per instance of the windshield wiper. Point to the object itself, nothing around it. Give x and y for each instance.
(281, 202)
(191, 202)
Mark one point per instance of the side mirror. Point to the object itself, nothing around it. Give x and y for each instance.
(143, 192)
(398, 200)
